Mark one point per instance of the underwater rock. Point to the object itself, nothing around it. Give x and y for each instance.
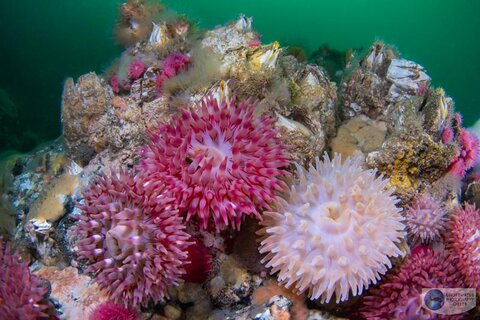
(412, 161)
(380, 80)
(83, 105)
(74, 293)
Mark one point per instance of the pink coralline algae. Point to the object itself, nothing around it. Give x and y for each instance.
(134, 251)
(468, 155)
(221, 162)
(465, 243)
(425, 269)
(136, 69)
(112, 311)
(425, 219)
(172, 65)
(22, 295)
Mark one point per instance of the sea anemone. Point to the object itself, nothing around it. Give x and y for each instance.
(200, 266)
(134, 251)
(22, 295)
(221, 161)
(425, 269)
(464, 243)
(112, 311)
(114, 83)
(425, 219)
(172, 65)
(468, 155)
(136, 69)
(335, 231)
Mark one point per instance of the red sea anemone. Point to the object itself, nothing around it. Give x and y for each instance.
(136, 69)
(221, 161)
(115, 84)
(465, 243)
(112, 311)
(134, 251)
(425, 269)
(172, 65)
(22, 295)
(200, 266)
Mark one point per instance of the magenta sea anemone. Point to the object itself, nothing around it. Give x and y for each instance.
(134, 251)
(136, 69)
(112, 311)
(467, 158)
(425, 269)
(425, 219)
(22, 295)
(335, 232)
(464, 243)
(221, 161)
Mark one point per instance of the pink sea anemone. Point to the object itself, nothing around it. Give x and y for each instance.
(465, 243)
(22, 295)
(468, 155)
(173, 63)
(221, 161)
(136, 69)
(447, 135)
(425, 269)
(134, 251)
(115, 84)
(112, 311)
(425, 219)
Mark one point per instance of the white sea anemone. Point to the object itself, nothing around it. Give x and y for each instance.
(335, 232)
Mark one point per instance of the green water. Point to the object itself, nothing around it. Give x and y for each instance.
(43, 42)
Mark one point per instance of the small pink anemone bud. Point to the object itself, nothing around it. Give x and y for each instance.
(254, 43)
(134, 250)
(464, 243)
(458, 119)
(115, 84)
(425, 219)
(112, 311)
(221, 161)
(136, 69)
(447, 135)
(425, 269)
(468, 154)
(22, 295)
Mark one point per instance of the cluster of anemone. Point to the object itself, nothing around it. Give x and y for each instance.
(425, 219)
(22, 294)
(399, 293)
(336, 231)
(469, 148)
(134, 250)
(221, 162)
(172, 65)
(464, 244)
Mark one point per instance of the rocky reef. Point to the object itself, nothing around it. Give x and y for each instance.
(208, 175)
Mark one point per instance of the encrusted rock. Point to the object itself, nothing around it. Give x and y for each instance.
(76, 294)
(83, 105)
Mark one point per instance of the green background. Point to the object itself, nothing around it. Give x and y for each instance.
(44, 41)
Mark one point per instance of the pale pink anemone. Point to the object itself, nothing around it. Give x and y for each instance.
(425, 219)
(135, 252)
(221, 162)
(22, 294)
(424, 269)
(464, 243)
